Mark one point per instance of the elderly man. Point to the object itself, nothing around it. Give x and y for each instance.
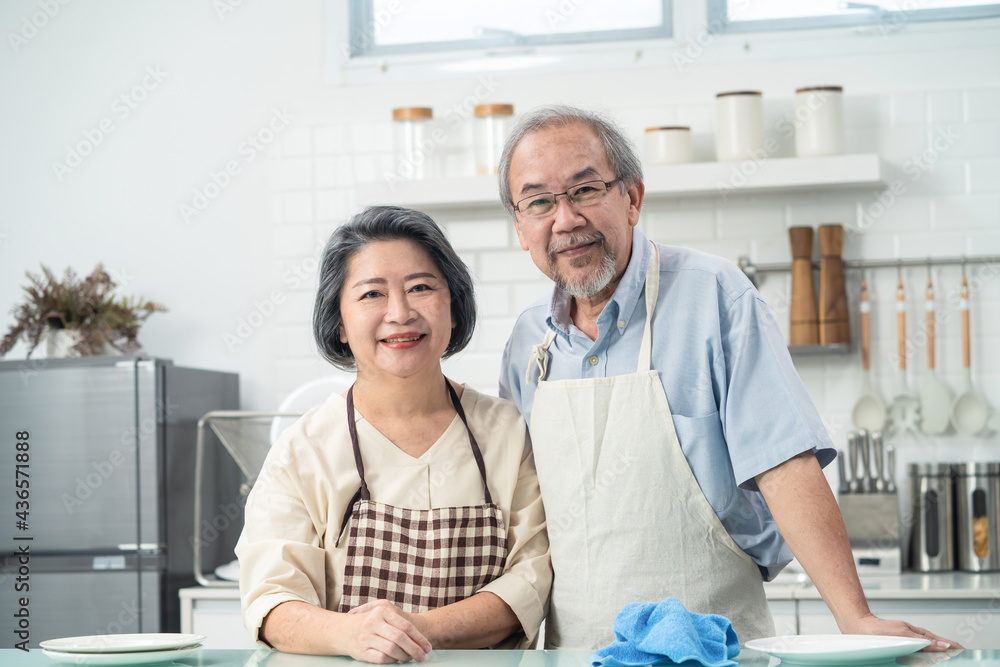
(672, 435)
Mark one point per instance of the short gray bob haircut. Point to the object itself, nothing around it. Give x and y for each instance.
(619, 148)
(388, 223)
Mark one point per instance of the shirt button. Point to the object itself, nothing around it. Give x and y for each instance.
(593, 361)
(621, 324)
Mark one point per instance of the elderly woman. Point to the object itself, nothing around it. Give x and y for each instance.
(405, 514)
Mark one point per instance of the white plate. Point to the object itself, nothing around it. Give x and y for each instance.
(133, 658)
(148, 641)
(229, 571)
(837, 649)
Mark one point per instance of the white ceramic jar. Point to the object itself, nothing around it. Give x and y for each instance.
(819, 121)
(414, 147)
(492, 123)
(739, 126)
(668, 145)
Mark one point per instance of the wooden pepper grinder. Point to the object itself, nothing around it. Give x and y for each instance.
(834, 325)
(803, 328)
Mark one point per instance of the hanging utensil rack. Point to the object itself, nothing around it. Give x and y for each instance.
(753, 270)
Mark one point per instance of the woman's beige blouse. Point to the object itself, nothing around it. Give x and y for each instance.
(287, 550)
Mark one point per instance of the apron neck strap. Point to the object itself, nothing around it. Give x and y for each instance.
(652, 292)
(353, 429)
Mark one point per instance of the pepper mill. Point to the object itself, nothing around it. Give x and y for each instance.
(803, 328)
(834, 325)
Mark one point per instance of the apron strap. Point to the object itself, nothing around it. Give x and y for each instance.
(652, 291)
(363, 493)
(472, 440)
(540, 352)
(353, 429)
(540, 358)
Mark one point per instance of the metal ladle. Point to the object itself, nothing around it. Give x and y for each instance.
(904, 413)
(968, 412)
(869, 410)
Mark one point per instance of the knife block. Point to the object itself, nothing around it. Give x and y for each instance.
(803, 327)
(834, 324)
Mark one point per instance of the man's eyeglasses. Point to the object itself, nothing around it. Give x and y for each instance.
(581, 194)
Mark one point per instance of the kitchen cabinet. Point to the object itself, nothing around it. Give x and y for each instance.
(961, 606)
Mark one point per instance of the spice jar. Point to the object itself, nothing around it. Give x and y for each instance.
(412, 141)
(819, 121)
(668, 145)
(492, 123)
(739, 125)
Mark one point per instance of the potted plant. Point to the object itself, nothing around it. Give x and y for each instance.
(80, 316)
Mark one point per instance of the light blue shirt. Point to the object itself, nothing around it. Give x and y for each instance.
(738, 406)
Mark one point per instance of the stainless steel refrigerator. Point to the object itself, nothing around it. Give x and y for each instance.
(106, 512)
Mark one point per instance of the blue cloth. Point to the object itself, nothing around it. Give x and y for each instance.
(648, 633)
(738, 405)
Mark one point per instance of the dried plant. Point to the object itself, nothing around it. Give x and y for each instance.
(85, 306)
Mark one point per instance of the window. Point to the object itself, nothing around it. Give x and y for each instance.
(385, 27)
(888, 15)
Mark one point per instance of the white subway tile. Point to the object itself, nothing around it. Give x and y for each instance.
(291, 173)
(861, 139)
(902, 142)
(969, 140)
(947, 107)
(984, 175)
(730, 250)
(336, 205)
(493, 300)
(293, 373)
(812, 210)
(297, 206)
(331, 140)
(296, 141)
(506, 266)
(940, 177)
(672, 225)
(745, 222)
(968, 212)
(373, 137)
(983, 243)
(296, 307)
(528, 293)
(770, 249)
(699, 117)
(934, 244)
(372, 167)
(983, 104)
(334, 172)
(481, 370)
(291, 240)
(480, 235)
(275, 208)
(301, 273)
(492, 334)
(909, 109)
(297, 342)
(866, 111)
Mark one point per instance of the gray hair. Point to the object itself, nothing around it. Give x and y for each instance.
(618, 147)
(388, 223)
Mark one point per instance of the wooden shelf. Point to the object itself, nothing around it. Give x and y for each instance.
(662, 181)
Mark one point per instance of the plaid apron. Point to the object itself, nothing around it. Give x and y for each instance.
(419, 559)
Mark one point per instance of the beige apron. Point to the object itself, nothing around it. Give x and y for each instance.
(627, 520)
(419, 559)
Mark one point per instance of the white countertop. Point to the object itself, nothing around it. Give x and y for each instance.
(905, 586)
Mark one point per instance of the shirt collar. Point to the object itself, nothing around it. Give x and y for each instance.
(625, 297)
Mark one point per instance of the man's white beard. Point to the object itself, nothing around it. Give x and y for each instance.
(596, 281)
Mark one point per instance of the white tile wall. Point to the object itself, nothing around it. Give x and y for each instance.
(951, 206)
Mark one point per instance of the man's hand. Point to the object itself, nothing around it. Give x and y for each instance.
(873, 625)
(384, 633)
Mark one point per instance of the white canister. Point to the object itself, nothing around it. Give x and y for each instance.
(668, 145)
(493, 122)
(739, 126)
(819, 121)
(413, 143)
